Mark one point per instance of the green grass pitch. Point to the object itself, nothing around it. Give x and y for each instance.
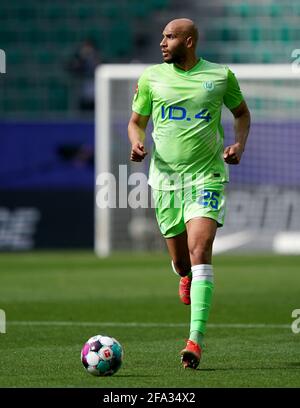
(55, 301)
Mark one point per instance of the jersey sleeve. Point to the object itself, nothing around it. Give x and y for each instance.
(142, 101)
(233, 96)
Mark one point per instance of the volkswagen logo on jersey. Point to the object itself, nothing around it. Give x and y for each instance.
(208, 85)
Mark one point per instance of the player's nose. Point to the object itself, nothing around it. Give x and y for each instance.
(163, 43)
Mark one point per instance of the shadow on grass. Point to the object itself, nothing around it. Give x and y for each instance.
(134, 376)
(286, 366)
(294, 364)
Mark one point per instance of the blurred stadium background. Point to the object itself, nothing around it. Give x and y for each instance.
(47, 124)
(55, 300)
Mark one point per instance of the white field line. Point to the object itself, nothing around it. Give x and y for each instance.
(142, 325)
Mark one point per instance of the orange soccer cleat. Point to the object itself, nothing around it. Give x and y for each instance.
(191, 355)
(185, 289)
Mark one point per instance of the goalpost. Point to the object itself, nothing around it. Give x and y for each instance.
(264, 191)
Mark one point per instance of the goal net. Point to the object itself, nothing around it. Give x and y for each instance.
(263, 196)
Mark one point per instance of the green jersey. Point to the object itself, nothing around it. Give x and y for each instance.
(186, 112)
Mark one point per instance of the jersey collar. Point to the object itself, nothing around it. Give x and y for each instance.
(190, 71)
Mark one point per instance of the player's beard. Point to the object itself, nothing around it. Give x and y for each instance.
(177, 56)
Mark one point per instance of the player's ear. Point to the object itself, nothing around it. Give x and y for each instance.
(189, 42)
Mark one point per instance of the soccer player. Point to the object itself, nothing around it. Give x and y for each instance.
(188, 168)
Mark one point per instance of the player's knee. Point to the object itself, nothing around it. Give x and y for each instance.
(182, 266)
(201, 251)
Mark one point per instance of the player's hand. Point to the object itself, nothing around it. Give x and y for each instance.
(232, 154)
(138, 152)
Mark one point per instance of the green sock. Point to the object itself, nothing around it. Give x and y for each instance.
(201, 298)
(197, 337)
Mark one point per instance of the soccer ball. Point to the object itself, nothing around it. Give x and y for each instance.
(102, 355)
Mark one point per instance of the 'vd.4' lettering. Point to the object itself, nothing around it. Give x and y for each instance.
(180, 113)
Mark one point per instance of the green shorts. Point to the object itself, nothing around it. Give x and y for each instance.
(176, 207)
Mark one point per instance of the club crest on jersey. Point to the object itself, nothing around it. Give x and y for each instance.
(208, 85)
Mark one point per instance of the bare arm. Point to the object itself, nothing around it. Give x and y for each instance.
(136, 133)
(233, 153)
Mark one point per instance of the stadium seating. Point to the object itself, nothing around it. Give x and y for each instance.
(255, 31)
(39, 37)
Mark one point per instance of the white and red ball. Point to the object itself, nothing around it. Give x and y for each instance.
(102, 355)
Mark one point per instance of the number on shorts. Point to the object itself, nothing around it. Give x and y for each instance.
(210, 199)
